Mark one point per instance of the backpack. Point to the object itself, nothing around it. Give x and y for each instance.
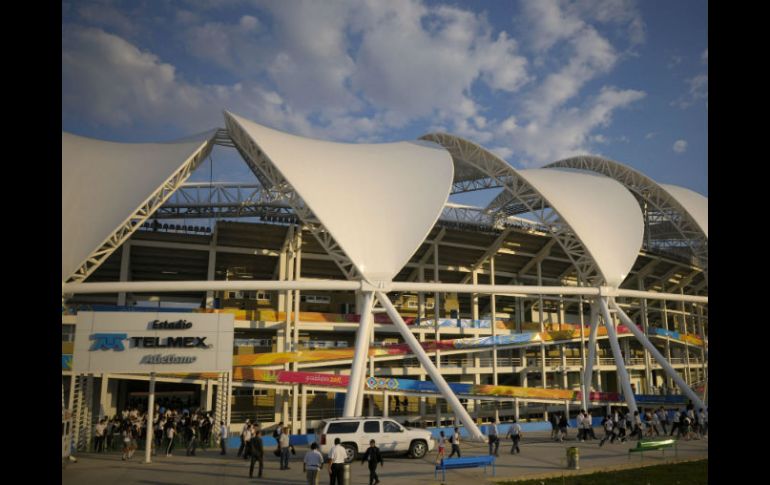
(452, 439)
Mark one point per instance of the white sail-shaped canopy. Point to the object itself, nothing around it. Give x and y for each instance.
(105, 184)
(694, 203)
(378, 201)
(601, 212)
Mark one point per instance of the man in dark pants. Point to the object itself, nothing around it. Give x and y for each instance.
(455, 440)
(257, 453)
(222, 436)
(373, 456)
(337, 457)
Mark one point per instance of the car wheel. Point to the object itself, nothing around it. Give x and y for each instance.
(351, 450)
(418, 449)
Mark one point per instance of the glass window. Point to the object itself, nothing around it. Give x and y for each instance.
(372, 427)
(392, 427)
(342, 428)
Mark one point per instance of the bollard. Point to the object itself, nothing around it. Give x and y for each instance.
(346, 474)
(573, 458)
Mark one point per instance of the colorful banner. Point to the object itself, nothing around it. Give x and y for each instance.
(313, 378)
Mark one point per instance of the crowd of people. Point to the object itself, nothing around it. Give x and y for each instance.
(192, 428)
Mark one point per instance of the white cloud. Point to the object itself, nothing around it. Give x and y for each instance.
(680, 146)
(650, 136)
(698, 89)
(355, 71)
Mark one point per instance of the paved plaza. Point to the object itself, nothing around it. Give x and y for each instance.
(539, 457)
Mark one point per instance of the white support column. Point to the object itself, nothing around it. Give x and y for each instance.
(516, 408)
(669, 381)
(360, 400)
(588, 367)
(475, 297)
(582, 334)
(437, 329)
(686, 346)
(434, 373)
(303, 416)
(622, 373)
(702, 330)
(209, 394)
(645, 327)
(211, 271)
(658, 357)
(359, 358)
(103, 405)
(493, 307)
(150, 418)
(385, 403)
(125, 265)
(543, 376)
(297, 248)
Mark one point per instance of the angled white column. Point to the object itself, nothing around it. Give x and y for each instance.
(658, 357)
(435, 375)
(622, 372)
(359, 358)
(589, 365)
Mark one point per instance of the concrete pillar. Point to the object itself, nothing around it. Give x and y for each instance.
(669, 380)
(303, 416)
(211, 272)
(125, 265)
(543, 376)
(645, 328)
(385, 403)
(103, 403)
(209, 393)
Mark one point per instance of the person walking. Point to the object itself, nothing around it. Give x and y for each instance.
(170, 434)
(441, 448)
(663, 420)
(99, 432)
(674, 423)
(283, 444)
(223, 435)
(609, 430)
(589, 420)
(563, 425)
(455, 441)
(244, 437)
(312, 463)
(337, 457)
(515, 434)
(192, 438)
(257, 453)
(554, 420)
(373, 456)
(493, 439)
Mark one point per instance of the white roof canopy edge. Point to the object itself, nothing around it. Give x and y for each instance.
(372, 198)
(109, 176)
(603, 214)
(695, 204)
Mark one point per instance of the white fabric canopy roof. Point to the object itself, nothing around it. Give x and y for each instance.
(604, 215)
(378, 201)
(694, 203)
(104, 183)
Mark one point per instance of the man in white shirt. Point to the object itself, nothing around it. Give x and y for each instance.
(515, 434)
(283, 444)
(337, 457)
(493, 439)
(222, 436)
(99, 434)
(313, 462)
(244, 440)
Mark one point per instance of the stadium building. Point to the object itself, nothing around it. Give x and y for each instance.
(583, 260)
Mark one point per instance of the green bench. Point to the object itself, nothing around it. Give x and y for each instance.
(652, 445)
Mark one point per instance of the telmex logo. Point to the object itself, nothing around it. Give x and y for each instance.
(107, 341)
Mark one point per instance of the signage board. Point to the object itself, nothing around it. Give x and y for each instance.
(144, 342)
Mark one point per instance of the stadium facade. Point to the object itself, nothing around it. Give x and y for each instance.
(584, 260)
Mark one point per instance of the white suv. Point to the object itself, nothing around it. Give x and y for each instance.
(390, 437)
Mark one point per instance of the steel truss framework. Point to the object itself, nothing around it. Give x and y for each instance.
(524, 199)
(658, 206)
(202, 200)
(273, 179)
(135, 220)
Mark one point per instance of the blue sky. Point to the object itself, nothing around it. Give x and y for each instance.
(534, 81)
